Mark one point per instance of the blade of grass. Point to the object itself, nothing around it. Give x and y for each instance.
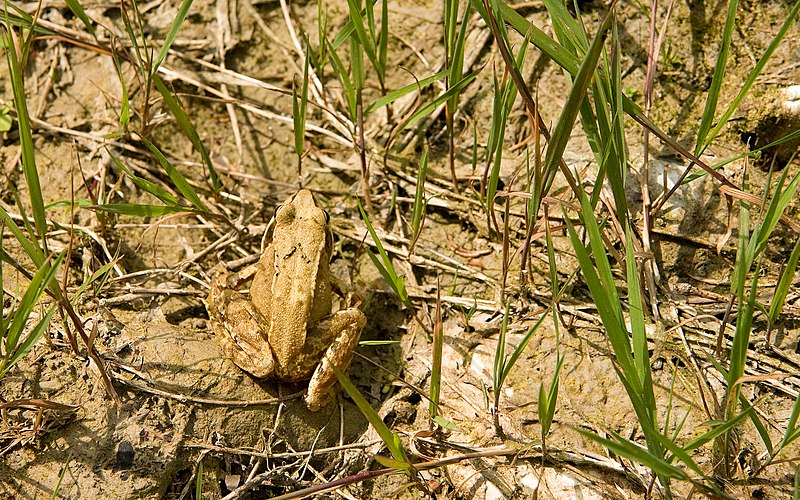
(77, 9)
(358, 28)
(384, 265)
(140, 210)
(12, 349)
(177, 178)
(389, 438)
(631, 451)
(718, 78)
(753, 75)
(566, 120)
(427, 109)
(171, 34)
(26, 138)
(420, 203)
(394, 95)
(190, 132)
(159, 192)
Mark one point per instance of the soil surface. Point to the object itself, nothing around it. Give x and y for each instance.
(182, 418)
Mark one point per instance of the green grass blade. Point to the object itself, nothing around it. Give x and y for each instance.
(419, 196)
(548, 409)
(751, 78)
(499, 358)
(61, 475)
(26, 140)
(385, 265)
(603, 290)
(539, 38)
(29, 246)
(427, 109)
(455, 44)
(149, 187)
(796, 492)
(30, 340)
(775, 209)
(740, 343)
(198, 481)
(791, 425)
(394, 95)
(641, 354)
(383, 40)
(173, 32)
(41, 280)
(77, 9)
(512, 360)
(180, 182)
(189, 131)
(140, 210)
(566, 120)
(358, 28)
(390, 439)
(344, 78)
(717, 430)
(629, 450)
(718, 78)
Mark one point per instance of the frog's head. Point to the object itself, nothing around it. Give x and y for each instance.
(300, 217)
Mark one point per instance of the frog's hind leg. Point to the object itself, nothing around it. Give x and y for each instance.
(340, 333)
(238, 327)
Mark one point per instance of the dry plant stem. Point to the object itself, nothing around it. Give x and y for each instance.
(223, 34)
(452, 145)
(530, 219)
(527, 98)
(506, 249)
(727, 188)
(556, 457)
(648, 264)
(293, 454)
(362, 153)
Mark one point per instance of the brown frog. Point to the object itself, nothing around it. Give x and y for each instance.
(285, 329)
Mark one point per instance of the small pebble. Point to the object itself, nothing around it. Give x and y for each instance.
(125, 455)
(232, 481)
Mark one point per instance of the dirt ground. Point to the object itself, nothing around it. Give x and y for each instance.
(185, 411)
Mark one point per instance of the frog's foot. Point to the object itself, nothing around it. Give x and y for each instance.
(345, 327)
(238, 328)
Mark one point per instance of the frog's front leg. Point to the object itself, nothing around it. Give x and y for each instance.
(238, 326)
(340, 332)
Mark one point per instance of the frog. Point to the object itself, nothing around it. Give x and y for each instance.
(286, 330)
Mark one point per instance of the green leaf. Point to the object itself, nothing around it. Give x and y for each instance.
(190, 132)
(718, 78)
(140, 210)
(391, 440)
(180, 182)
(566, 120)
(789, 21)
(41, 280)
(173, 32)
(162, 194)
(633, 452)
(26, 141)
(427, 109)
(358, 27)
(77, 9)
(402, 91)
